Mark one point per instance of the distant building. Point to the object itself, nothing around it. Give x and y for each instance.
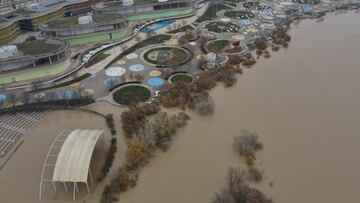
(128, 2)
(8, 5)
(211, 60)
(8, 51)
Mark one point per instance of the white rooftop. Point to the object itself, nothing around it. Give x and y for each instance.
(73, 162)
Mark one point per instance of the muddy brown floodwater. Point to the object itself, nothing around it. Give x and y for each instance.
(303, 102)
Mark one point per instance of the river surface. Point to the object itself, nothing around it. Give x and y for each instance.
(303, 102)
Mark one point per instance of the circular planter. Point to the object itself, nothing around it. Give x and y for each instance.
(167, 56)
(222, 27)
(131, 93)
(183, 77)
(239, 14)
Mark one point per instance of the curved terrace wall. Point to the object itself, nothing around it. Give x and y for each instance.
(141, 8)
(85, 29)
(32, 22)
(33, 61)
(9, 33)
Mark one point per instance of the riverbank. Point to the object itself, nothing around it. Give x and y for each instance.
(302, 102)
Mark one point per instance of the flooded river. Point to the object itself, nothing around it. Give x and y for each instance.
(303, 102)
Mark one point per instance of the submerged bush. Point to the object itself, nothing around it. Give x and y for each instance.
(261, 44)
(254, 174)
(238, 191)
(204, 104)
(247, 143)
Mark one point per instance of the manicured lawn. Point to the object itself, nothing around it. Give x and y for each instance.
(35, 73)
(211, 11)
(220, 27)
(159, 14)
(98, 37)
(235, 1)
(67, 83)
(152, 40)
(73, 21)
(182, 29)
(178, 56)
(131, 94)
(239, 14)
(217, 45)
(181, 77)
(97, 58)
(37, 47)
(136, 2)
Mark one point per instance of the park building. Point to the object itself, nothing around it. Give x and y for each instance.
(8, 5)
(32, 54)
(137, 6)
(31, 16)
(80, 25)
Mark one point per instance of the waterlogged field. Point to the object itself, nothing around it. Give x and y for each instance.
(303, 102)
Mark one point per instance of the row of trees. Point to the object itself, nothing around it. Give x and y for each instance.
(49, 97)
(237, 190)
(146, 130)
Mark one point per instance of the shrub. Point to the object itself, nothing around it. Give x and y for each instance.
(254, 174)
(226, 75)
(150, 109)
(238, 191)
(250, 159)
(109, 160)
(247, 143)
(261, 43)
(30, 38)
(249, 61)
(164, 128)
(206, 81)
(109, 118)
(132, 120)
(181, 119)
(275, 48)
(179, 94)
(107, 196)
(234, 59)
(135, 153)
(204, 104)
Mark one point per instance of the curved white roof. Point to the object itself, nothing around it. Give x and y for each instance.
(73, 162)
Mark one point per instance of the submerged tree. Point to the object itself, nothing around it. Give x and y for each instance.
(238, 191)
(247, 143)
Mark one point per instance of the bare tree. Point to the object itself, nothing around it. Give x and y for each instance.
(25, 98)
(247, 142)
(2, 103)
(51, 96)
(12, 98)
(36, 85)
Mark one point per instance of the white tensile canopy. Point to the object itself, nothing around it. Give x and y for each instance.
(72, 161)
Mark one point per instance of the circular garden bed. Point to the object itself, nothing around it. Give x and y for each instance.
(221, 27)
(183, 77)
(311, 2)
(224, 46)
(167, 56)
(239, 14)
(254, 5)
(130, 94)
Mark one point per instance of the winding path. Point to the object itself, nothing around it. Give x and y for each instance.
(91, 53)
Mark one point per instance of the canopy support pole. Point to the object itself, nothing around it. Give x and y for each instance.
(91, 178)
(54, 186)
(74, 191)
(65, 187)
